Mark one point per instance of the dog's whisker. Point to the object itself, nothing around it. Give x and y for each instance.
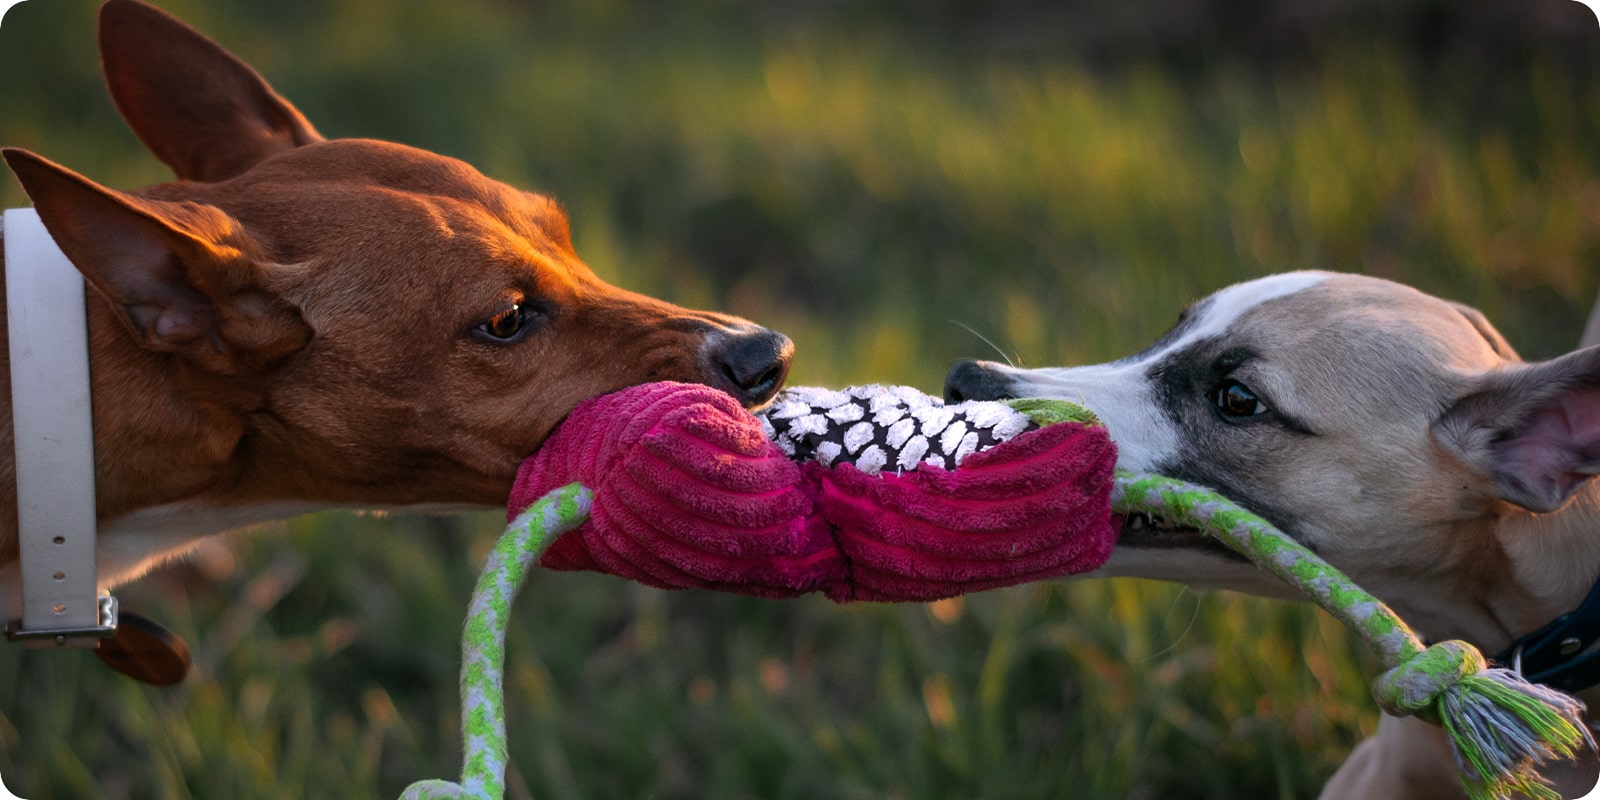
(1194, 616)
(1015, 363)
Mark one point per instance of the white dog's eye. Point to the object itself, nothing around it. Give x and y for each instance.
(1235, 400)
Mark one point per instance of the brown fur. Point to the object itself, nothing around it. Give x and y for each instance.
(291, 324)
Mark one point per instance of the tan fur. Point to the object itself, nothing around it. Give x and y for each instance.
(1409, 400)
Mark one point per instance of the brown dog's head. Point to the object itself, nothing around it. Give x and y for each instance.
(348, 321)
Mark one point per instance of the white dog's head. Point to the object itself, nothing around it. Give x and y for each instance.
(1395, 433)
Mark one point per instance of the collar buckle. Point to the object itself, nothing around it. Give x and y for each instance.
(1559, 653)
(70, 636)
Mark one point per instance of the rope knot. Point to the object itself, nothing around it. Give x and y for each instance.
(1415, 687)
(1501, 727)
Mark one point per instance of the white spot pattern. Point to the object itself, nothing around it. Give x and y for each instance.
(875, 427)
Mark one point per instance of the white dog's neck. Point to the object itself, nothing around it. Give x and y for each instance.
(1555, 558)
(1550, 563)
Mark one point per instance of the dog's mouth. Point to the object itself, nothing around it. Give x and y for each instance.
(1149, 532)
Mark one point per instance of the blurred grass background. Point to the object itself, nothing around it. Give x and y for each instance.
(895, 185)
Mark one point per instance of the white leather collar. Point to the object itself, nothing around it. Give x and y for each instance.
(54, 432)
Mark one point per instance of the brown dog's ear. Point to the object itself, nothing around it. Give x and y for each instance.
(1532, 429)
(206, 114)
(184, 278)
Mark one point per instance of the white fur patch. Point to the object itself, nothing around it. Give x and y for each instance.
(1122, 395)
(1229, 304)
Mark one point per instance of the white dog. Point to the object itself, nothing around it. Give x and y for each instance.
(1397, 435)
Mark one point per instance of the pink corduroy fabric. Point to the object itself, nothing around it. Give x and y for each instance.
(689, 493)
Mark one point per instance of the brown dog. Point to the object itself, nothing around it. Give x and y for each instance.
(301, 323)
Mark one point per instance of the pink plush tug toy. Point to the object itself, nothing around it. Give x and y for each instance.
(884, 493)
(868, 493)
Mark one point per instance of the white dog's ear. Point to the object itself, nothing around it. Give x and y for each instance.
(1496, 342)
(1532, 429)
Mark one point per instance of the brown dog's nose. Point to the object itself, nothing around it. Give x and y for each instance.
(751, 364)
(974, 380)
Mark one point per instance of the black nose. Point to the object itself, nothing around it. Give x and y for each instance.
(751, 364)
(975, 380)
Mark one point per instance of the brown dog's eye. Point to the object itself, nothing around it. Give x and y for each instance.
(1236, 401)
(506, 325)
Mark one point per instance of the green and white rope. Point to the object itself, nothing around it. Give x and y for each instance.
(1501, 727)
(483, 647)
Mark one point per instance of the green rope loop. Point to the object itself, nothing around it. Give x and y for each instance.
(1500, 727)
(483, 647)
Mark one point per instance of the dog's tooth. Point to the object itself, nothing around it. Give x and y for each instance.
(1136, 522)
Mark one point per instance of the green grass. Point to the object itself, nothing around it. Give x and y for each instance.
(890, 206)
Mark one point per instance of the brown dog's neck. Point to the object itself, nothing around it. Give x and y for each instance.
(162, 435)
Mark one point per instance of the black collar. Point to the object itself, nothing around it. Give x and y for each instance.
(1554, 655)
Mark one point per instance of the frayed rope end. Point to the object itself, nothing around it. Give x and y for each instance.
(1501, 727)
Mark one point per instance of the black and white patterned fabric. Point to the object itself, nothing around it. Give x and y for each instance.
(879, 427)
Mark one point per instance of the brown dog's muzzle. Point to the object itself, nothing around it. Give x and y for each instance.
(749, 364)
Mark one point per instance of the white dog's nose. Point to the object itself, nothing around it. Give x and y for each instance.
(976, 380)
